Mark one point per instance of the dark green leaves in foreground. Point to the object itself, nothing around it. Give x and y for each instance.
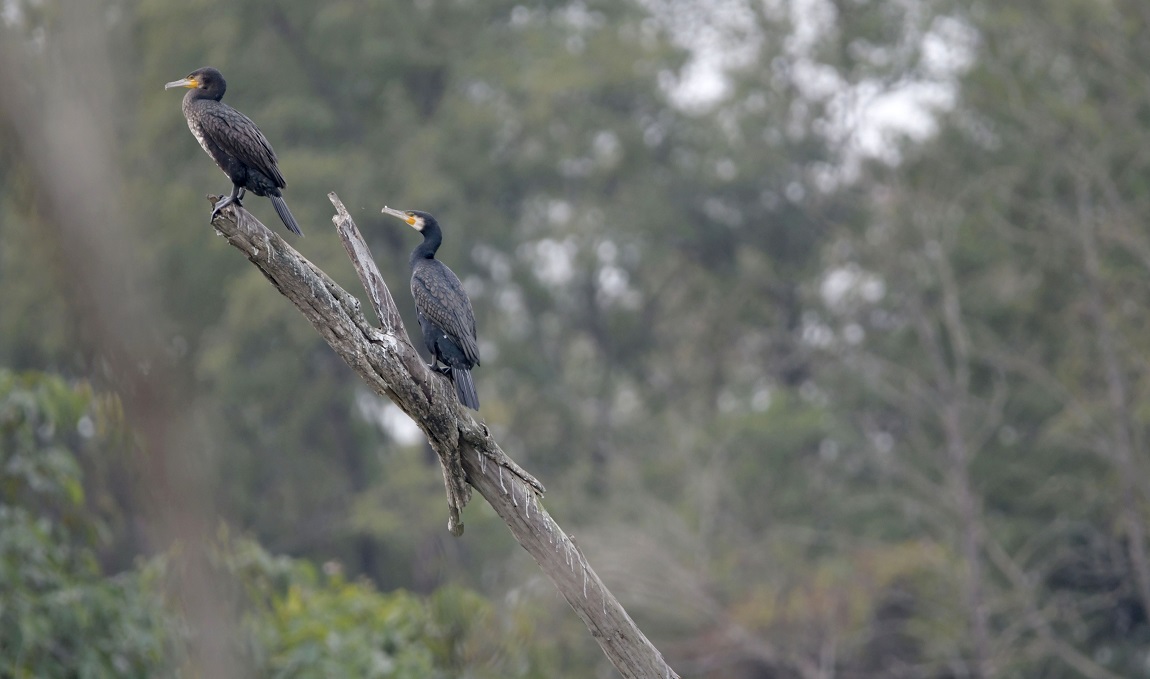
(61, 615)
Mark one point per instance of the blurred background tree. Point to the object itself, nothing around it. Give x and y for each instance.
(822, 321)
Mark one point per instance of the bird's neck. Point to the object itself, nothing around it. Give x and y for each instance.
(201, 95)
(427, 249)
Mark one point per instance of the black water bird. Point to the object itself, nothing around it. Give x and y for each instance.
(445, 313)
(234, 142)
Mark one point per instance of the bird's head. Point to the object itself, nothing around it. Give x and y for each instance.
(415, 219)
(207, 81)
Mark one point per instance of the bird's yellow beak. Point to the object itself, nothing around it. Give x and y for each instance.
(189, 83)
(410, 219)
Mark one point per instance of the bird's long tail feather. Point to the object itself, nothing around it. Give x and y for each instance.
(465, 388)
(285, 214)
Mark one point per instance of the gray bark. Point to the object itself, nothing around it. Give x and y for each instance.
(386, 360)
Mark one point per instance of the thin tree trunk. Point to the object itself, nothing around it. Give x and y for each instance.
(970, 522)
(1117, 394)
(953, 383)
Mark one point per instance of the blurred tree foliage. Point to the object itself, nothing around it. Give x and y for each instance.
(62, 616)
(999, 382)
(59, 615)
(811, 411)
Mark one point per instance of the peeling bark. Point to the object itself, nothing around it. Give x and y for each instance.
(386, 360)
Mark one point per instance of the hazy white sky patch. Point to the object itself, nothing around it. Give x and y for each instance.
(388, 417)
(553, 261)
(10, 13)
(868, 119)
(841, 286)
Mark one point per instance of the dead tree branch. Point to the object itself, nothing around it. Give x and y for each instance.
(386, 360)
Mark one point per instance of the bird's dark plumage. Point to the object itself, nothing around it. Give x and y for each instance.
(444, 311)
(234, 142)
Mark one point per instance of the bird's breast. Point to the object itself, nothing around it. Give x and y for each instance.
(198, 132)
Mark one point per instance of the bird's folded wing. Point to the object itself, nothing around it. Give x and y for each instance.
(239, 137)
(443, 301)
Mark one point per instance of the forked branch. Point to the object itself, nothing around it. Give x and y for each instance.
(386, 360)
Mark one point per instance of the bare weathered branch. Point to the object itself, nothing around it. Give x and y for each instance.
(369, 276)
(386, 360)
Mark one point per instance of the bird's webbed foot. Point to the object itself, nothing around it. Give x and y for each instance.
(223, 202)
(234, 199)
(441, 369)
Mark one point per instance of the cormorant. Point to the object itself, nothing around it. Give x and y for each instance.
(445, 313)
(234, 142)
